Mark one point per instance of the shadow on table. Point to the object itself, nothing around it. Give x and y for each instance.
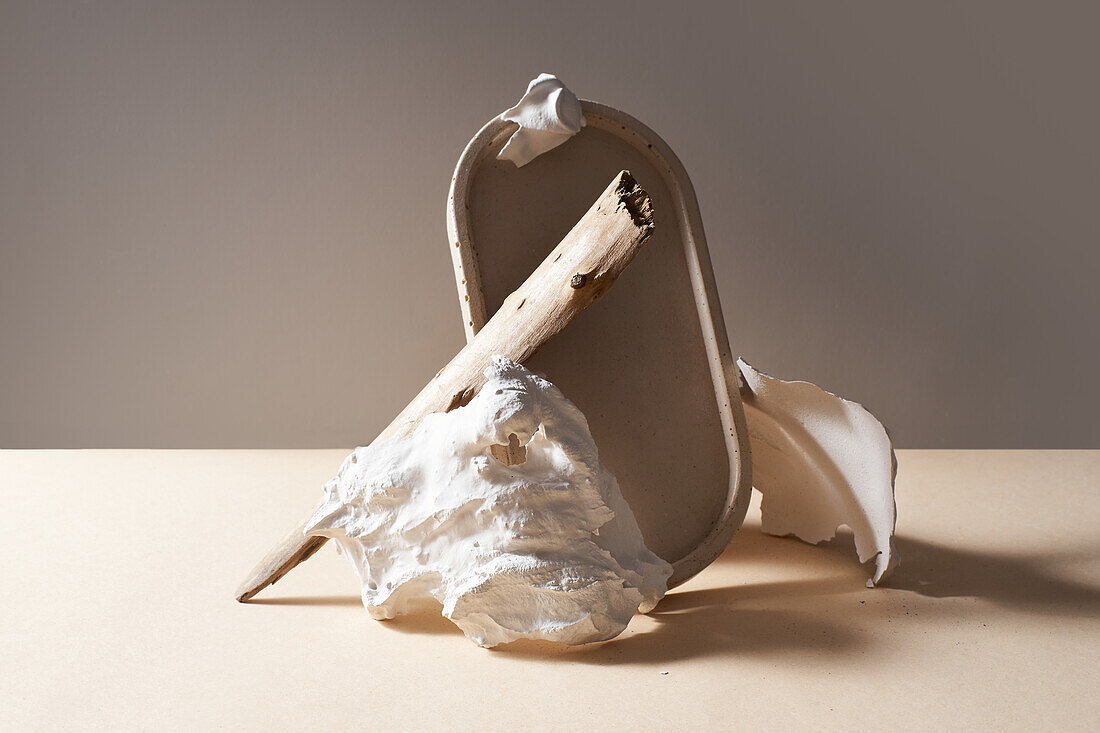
(703, 626)
(820, 616)
(827, 615)
(690, 625)
(1028, 583)
(308, 601)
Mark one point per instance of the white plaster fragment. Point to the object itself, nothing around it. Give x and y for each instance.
(548, 115)
(546, 548)
(821, 461)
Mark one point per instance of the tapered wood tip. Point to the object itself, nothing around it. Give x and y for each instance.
(296, 548)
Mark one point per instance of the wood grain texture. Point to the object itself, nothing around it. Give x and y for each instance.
(572, 277)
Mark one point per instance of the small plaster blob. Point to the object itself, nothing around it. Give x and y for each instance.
(821, 461)
(548, 115)
(545, 548)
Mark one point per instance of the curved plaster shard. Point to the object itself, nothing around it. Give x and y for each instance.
(501, 511)
(821, 461)
(548, 114)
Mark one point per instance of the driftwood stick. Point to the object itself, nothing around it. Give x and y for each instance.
(579, 270)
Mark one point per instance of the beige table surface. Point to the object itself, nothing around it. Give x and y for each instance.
(119, 569)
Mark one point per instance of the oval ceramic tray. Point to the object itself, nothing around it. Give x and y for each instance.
(650, 365)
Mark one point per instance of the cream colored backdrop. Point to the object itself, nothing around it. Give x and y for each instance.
(222, 223)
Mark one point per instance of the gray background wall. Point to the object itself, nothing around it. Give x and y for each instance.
(222, 223)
